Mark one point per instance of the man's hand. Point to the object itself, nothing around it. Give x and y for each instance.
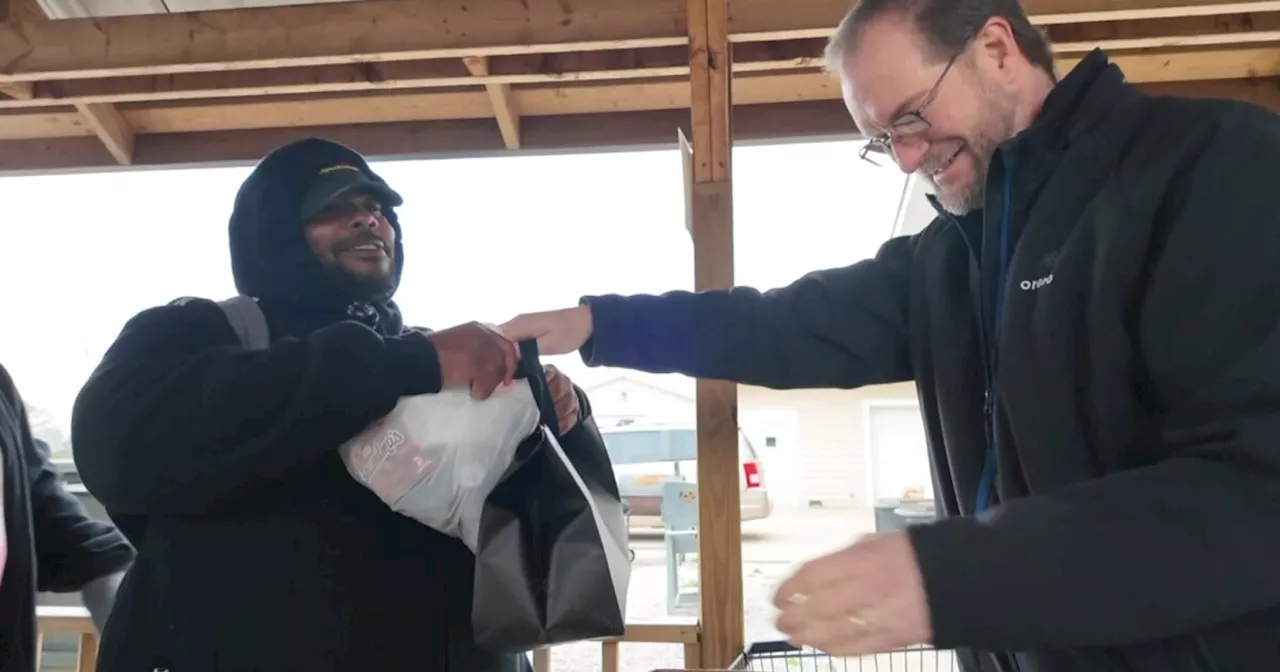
(564, 397)
(475, 356)
(559, 332)
(867, 598)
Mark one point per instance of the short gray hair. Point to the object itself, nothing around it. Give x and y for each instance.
(945, 26)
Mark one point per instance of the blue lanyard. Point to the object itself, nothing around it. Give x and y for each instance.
(991, 406)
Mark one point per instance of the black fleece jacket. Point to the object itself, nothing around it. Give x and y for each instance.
(53, 543)
(257, 551)
(1097, 354)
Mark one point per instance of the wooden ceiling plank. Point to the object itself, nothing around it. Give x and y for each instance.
(437, 139)
(21, 10)
(329, 33)
(111, 128)
(399, 30)
(18, 90)
(820, 118)
(641, 95)
(1186, 31)
(763, 20)
(504, 106)
(751, 89)
(43, 125)
(613, 65)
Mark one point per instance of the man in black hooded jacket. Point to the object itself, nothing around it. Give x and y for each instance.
(256, 549)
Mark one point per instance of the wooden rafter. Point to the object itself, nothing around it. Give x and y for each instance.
(102, 118)
(751, 88)
(18, 91)
(111, 128)
(528, 64)
(500, 98)
(470, 137)
(398, 30)
(1221, 43)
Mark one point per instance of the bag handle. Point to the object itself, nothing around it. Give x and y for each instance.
(530, 369)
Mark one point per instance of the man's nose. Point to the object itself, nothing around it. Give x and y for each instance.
(909, 153)
(364, 220)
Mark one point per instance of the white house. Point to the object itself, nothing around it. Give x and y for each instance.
(819, 447)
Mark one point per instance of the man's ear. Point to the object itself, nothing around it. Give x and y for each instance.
(994, 44)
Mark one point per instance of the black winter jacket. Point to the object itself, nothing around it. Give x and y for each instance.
(54, 545)
(257, 550)
(1106, 335)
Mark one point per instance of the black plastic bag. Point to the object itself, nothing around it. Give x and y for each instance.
(552, 561)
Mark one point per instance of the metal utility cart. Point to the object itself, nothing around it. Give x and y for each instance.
(783, 657)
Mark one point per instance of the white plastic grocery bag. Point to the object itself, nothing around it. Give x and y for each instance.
(436, 457)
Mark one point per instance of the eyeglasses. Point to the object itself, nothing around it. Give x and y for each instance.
(910, 124)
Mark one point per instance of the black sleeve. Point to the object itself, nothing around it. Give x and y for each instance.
(72, 549)
(179, 419)
(1192, 540)
(843, 327)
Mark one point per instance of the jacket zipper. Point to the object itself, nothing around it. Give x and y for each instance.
(988, 336)
(988, 341)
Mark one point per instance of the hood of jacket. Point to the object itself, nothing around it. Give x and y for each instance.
(270, 257)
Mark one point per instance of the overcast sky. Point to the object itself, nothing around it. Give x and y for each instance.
(485, 239)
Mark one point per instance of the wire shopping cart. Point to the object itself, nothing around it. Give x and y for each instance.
(783, 657)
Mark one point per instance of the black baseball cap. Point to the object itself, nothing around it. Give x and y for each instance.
(335, 180)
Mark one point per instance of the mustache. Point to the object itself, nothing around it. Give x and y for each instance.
(935, 160)
(364, 237)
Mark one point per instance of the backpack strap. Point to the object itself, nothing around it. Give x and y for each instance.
(247, 320)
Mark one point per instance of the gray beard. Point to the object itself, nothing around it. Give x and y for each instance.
(973, 198)
(996, 127)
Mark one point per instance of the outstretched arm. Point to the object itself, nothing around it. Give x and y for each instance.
(843, 327)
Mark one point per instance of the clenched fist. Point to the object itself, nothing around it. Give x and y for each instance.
(475, 356)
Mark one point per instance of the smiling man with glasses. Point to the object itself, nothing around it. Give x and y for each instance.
(1093, 323)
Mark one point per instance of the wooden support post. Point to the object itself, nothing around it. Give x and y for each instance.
(711, 215)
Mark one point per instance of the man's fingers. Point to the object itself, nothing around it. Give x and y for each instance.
(511, 358)
(521, 327)
(841, 637)
(811, 578)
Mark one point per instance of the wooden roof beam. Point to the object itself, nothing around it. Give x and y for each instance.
(504, 105)
(111, 128)
(451, 138)
(399, 30)
(1244, 62)
(18, 90)
(1184, 31)
(611, 65)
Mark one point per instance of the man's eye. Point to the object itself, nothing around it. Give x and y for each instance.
(911, 126)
